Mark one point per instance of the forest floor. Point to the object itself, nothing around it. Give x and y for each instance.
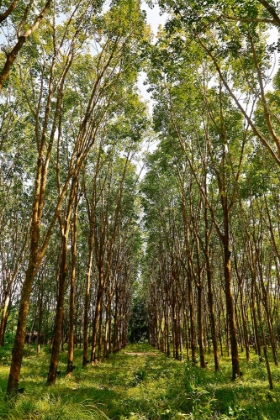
(140, 383)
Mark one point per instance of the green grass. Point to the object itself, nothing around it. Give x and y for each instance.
(140, 383)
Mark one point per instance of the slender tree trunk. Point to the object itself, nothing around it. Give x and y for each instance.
(59, 313)
(230, 311)
(40, 319)
(271, 334)
(255, 321)
(245, 329)
(87, 300)
(4, 318)
(63, 332)
(96, 324)
(17, 353)
(200, 326)
(72, 291)
(210, 293)
(166, 321)
(107, 340)
(12, 55)
(100, 335)
(116, 324)
(192, 322)
(35, 257)
(175, 328)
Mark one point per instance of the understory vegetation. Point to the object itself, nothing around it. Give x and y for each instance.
(140, 382)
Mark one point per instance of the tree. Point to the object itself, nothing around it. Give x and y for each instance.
(24, 19)
(108, 66)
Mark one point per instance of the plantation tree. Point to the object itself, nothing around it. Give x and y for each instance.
(260, 226)
(74, 238)
(198, 112)
(164, 251)
(16, 166)
(108, 213)
(234, 36)
(125, 265)
(101, 109)
(99, 189)
(49, 73)
(19, 20)
(13, 244)
(191, 254)
(100, 239)
(109, 197)
(50, 78)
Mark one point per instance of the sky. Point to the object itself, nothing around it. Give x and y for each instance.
(154, 19)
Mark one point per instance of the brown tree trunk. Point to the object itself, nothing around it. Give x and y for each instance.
(35, 258)
(87, 301)
(4, 318)
(210, 292)
(100, 335)
(192, 321)
(107, 338)
(17, 353)
(72, 291)
(59, 313)
(65, 224)
(230, 311)
(255, 321)
(116, 324)
(245, 329)
(12, 55)
(200, 326)
(40, 319)
(96, 324)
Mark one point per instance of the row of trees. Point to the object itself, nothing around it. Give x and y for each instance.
(71, 125)
(212, 189)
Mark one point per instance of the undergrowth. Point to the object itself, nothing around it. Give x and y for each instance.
(139, 383)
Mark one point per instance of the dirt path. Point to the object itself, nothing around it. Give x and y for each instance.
(130, 353)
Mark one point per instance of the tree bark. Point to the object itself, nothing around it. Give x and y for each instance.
(230, 310)
(11, 56)
(59, 313)
(72, 291)
(4, 318)
(17, 353)
(87, 300)
(96, 324)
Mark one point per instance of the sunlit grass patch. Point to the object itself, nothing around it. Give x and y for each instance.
(141, 383)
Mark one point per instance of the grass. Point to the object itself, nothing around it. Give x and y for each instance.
(140, 383)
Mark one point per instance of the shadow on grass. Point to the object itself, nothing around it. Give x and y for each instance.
(139, 383)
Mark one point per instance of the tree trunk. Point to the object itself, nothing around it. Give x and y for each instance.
(192, 322)
(4, 318)
(200, 326)
(59, 313)
(87, 301)
(210, 293)
(40, 319)
(72, 291)
(245, 329)
(116, 324)
(100, 335)
(17, 353)
(255, 321)
(96, 324)
(230, 311)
